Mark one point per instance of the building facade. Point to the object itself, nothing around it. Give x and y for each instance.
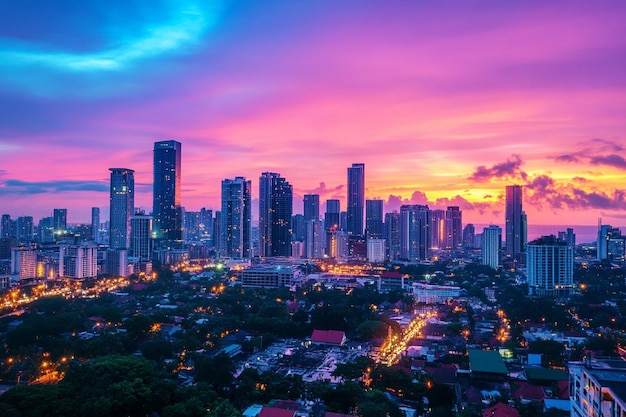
(515, 223)
(374, 219)
(491, 243)
(166, 197)
(356, 199)
(275, 210)
(550, 267)
(415, 239)
(236, 218)
(122, 207)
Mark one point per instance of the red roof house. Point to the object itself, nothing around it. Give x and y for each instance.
(501, 410)
(276, 412)
(328, 337)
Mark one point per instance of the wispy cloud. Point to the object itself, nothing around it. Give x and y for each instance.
(12, 186)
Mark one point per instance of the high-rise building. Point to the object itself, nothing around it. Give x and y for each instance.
(167, 209)
(331, 217)
(376, 250)
(122, 207)
(414, 232)
(491, 242)
(191, 229)
(311, 207)
(236, 218)
(569, 236)
(437, 229)
(468, 236)
(6, 227)
(141, 236)
(59, 217)
(550, 267)
(24, 262)
(24, 229)
(78, 261)
(314, 239)
(298, 228)
(275, 209)
(454, 224)
(206, 226)
(597, 387)
(392, 235)
(611, 244)
(356, 199)
(45, 230)
(95, 224)
(515, 227)
(374, 219)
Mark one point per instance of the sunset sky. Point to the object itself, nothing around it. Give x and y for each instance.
(445, 102)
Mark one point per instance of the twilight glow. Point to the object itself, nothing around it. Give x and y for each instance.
(445, 102)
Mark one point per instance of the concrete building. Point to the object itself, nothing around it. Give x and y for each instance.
(550, 267)
(491, 243)
(376, 250)
(267, 277)
(598, 388)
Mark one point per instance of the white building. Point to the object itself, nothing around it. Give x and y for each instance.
(433, 294)
(491, 241)
(376, 250)
(550, 267)
(24, 262)
(597, 388)
(78, 261)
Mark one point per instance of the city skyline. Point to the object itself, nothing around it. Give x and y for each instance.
(446, 104)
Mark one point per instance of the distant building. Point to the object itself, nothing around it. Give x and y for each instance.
(415, 240)
(122, 207)
(374, 219)
(356, 199)
(568, 236)
(376, 250)
(267, 277)
(550, 267)
(390, 281)
(117, 262)
(392, 235)
(515, 223)
(311, 207)
(24, 262)
(275, 210)
(434, 294)
(78, 261)
(24, 229)
(236, 218)
(59, 217)
(166, 208)
(491, 241)
(610, 244)
(141, 236)
(468, 236)
(95, 224)
(453, 227)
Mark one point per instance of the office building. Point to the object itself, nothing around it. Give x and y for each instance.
(95, 224)
(141, 236)
(515, 224)
(374, 219)
(311, 207)
(454, 224)
(468, 236)
(6, 227)
(236, 218)
(332, 214)
(122, 207)
(415, 237)
(116, 262)
(24, 229)
(24, 262)
(356, 199)
(45, 230)
(298, 228)
(437, 229)
(610, 244)
(166, 197)
(275, 210)
(274, 277)
(392, 235)
(568, 236)
(206, 226)
(550, 267)
(491, 243)
(376, 250)
(314, 239)
(59, 217)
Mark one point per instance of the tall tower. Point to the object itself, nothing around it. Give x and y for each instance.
(374, 219)
(236, 218)
(454, 224)
(492, 238)
(275, 208)
(141, 236)
(414, 232)
(331, 217)
(356, 199)
(95, 224)
(166, 207)
(59, 221)
(392, 235)
(122, 204)
(311, 207)
(514, 223)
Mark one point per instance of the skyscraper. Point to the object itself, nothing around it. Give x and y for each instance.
(331, 217)
(356, 199)
(24, 229)
(122, 207)
(311, 207)
(275, 208)
(167, 210)
(414, 232)
(492, 238)
(454, 223)
(95, 224)
(236, 218)
(515, 220)
(550, 267)
(392, 235)
(141, 236)
(468, 236)
(6, 227)
(59, 217)
(374, 219)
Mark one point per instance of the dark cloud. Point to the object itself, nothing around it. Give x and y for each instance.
(580, 179)
(607, 144)
(567, 158)
(611, 160)
(541, 183)
(323, 190)
(13, 186)
(394, 202)
(510, 169)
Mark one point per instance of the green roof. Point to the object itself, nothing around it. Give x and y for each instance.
(488, 361)
(546, 374)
